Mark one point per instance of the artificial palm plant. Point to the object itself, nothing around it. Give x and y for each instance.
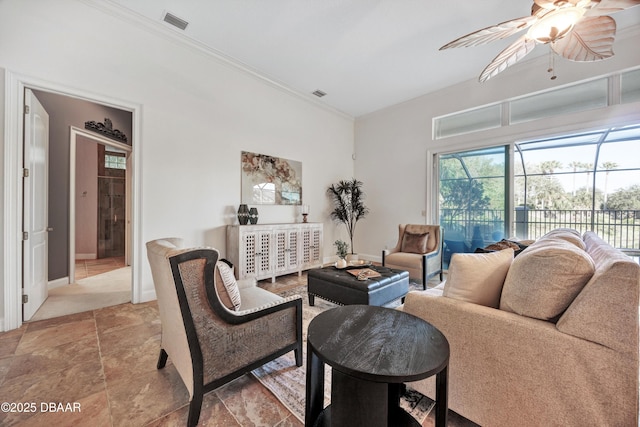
(348, 202)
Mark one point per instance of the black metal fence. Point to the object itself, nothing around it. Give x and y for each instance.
(476, 228)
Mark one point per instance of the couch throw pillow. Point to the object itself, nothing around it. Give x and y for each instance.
(414, 243)
(227, 287)
(478, 278)
(544, 280)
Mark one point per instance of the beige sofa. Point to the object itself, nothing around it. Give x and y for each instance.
(548, 351)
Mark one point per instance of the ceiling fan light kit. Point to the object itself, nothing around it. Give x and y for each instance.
(578, 30)
(555, 25)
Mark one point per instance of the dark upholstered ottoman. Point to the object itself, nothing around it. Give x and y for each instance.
(343, 288)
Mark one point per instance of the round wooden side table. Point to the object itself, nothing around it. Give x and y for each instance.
(372, 352)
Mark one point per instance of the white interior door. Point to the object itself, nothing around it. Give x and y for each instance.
(36, 206)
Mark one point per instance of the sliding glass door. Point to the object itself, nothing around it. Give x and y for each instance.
(473, 202)
(584, 181)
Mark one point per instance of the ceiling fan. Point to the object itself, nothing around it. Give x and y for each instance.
(578, 30)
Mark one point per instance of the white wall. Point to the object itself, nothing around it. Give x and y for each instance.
(2, 214)
(197, 114)
(392, 144)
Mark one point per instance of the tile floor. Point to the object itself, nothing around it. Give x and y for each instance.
(90, 267)
(105, 361)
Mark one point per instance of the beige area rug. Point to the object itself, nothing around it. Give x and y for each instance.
(287, 382)
(102, 290)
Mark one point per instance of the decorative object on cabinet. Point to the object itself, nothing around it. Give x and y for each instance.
(253, 215)
(305, 212)
(348, 205)
(342, 248)
(268, 180)
(269, 250)
(243, 214)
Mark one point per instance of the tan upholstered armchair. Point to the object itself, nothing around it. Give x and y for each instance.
(418, 251)
(214, 333)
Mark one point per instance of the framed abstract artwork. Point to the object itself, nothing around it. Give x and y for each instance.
(268, 180)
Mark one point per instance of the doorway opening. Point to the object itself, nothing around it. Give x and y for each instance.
(99, 188)
(15, 88)
(78, 174)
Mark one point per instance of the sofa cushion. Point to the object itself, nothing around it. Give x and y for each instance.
(544, 279)
(226, 286)
(478, 278)
(415, 243)
(602, 312)
(562, 234)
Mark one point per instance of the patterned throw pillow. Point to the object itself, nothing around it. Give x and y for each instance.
(227, 287)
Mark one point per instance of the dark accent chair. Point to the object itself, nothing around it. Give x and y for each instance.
(210, 344)
(420, 265)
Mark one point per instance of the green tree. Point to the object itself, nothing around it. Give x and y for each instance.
(608, 167)
(459, 196)
(584, 198)
(588, 167)
(626, 200)
(550, 166)
(487, 169)
(575, 166)
(544, 191)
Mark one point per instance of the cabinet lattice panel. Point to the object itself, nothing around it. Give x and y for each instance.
(265, 240)
(293, 248)
(281, 247)
(306, 245)
(249, 251)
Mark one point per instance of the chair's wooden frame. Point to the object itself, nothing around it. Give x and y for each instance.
(199, 388)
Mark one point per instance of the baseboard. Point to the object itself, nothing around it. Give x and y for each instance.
(63, 281)
(86, 256)
(2, 325)
(372, 258)
(148, 295)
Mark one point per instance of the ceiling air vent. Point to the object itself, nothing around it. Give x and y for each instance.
(175, 21)
(319, 93)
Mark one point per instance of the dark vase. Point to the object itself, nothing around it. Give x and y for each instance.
(253, 216)
(243, 214)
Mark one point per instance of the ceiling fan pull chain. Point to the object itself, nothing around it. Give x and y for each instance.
(552, 63)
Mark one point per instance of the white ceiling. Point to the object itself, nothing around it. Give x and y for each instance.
(365, 54)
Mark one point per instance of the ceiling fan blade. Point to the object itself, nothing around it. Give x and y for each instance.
(554, 4)
(489, 34)
(606, 7)
(512, 54)
(590, 40)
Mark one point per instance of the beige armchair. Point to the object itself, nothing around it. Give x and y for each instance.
(209, 343)
(418, 251)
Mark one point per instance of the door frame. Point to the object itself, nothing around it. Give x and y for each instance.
(74, 132)
(12, 204)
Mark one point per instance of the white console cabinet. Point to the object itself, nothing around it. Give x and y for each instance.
(269, 250)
